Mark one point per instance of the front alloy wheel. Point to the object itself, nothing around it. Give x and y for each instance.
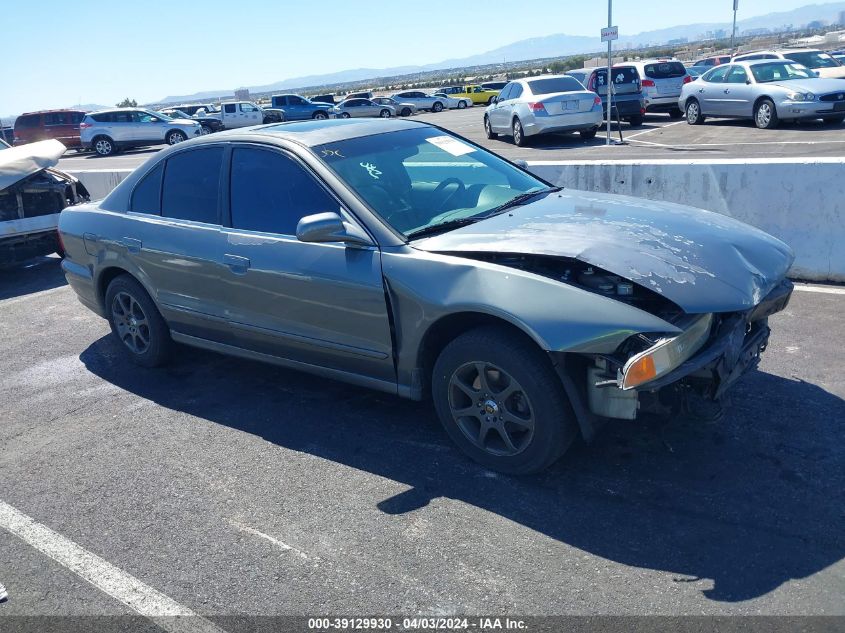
(175, 137)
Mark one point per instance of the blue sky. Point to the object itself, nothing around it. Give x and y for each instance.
(59, 53)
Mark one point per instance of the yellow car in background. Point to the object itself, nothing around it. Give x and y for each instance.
(477, 94)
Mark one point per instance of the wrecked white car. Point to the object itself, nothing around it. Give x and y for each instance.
(32, 194)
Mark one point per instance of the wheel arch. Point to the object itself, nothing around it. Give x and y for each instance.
(176, 129)
(110, 273)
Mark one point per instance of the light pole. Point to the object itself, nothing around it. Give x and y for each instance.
(609, 81)
(733, 30)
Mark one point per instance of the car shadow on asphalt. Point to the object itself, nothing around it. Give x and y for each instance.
(35, 275)
(737, 507)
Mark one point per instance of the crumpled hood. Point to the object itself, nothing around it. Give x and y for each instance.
(16, 163)
(700, 260)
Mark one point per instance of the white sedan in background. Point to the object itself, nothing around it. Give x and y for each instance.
(453, 103)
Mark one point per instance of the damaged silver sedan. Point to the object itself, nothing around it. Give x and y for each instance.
(397, 256)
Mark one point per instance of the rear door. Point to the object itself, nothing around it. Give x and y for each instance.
(710, 91)
(250, 114)
(177, 241)
(320, 304)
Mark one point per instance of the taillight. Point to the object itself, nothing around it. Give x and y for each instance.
(648, 83)
(687, 79)
(84, 125)
(61, 243)
(537, 107)
(597, 101)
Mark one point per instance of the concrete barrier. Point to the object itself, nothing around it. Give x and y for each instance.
(800, 201)
(100, 182)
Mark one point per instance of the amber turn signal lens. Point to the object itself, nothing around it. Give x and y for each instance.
(641, 371)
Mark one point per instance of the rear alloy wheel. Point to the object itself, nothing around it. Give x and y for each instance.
(136, 322)
(175, 137)
(385, 114)
(766, 115)
(488, 128)
(406, 112)
(518, 133)
(501, 401)
(321, 116)
(589, 134)
(437, 107)
(694, 116)
(345, 115)
(104, 146)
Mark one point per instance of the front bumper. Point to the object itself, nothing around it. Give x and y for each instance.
(810, 109)
(734, 348)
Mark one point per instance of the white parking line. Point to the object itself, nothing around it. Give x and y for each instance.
(827, 290)
(732, 143)
(168, 614)
(654, 129)
(280, 544)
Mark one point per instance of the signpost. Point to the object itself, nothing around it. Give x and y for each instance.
(608, 35)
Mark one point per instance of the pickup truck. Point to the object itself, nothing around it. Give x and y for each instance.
(235, 114)
(478, 94)
(298, 108)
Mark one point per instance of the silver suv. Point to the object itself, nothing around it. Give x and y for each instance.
(661, 81)
(108, 131)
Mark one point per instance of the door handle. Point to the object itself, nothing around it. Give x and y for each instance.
(237, 264)
(727, 90)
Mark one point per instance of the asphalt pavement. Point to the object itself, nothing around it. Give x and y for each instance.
(233, 487)
(658, 138)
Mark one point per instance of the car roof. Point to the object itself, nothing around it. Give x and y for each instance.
(52, 111)
(119, 110)
(314, 132)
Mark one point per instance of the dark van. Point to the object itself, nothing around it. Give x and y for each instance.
(62, 125)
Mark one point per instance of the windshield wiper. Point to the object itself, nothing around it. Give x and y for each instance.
(521, 199)
(440, 227)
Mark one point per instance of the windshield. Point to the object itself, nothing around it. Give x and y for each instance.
(780, 71)
(161, 115)
(414, 179)
(554, 84)
(176, 114)
(814, 59)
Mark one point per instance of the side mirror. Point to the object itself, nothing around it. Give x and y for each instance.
(330, 227)
(154, 119)
(495, 99)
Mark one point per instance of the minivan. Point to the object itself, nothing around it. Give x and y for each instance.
(62, 125)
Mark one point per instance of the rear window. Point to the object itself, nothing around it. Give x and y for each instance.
(27, 121)
(554, 84)
(621, 76)
(665, 70)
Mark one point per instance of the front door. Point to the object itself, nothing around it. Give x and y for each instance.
(738, 94)
(500, 111)
(319, 304)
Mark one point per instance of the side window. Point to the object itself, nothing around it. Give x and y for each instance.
(296, 101)
(27, 122)
(506, 91)
(143, 117)
(516, 92)
(146, 197)
(717, 75)
(192, 185)
(248, 107)
(76, 117)
(737, 75)
(271, 192)
(229, 108)
(122, 117)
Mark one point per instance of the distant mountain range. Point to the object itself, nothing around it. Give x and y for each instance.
(549, 46)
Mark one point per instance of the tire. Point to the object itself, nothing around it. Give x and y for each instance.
(384, 114)
(588, 135)
(462, 105)
(103, 146)
(176, 136)
(766, 115)
(834, 120)
(206, 129)
(636, 120)
(488, 129)
(518, 133)
(345, 115)
(676, 113)
(437, 107)
(136, 323)
(406, 112)
(320, 116)
(507, 364)
(693, 112)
